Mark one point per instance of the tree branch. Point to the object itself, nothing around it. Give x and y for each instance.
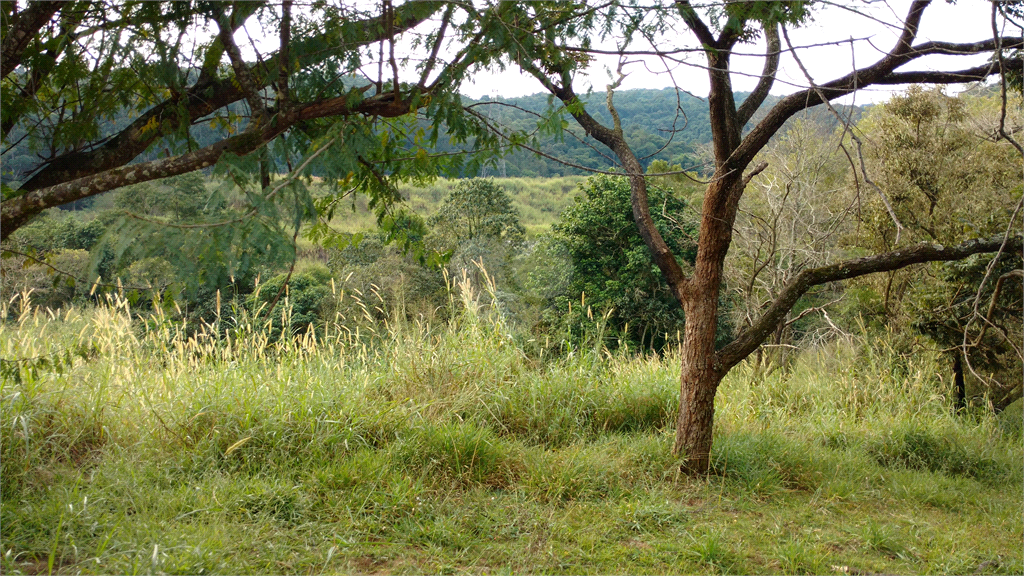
(243, 76)
(16, 211)
(881, 72)
(432, 59)
(660, 252)
(764, 85)
(1002, 83)
(975, 74)
(695, 24)
(1018, 274)
(25, 27)
(201, 100)
(752, 337)
(283, 98)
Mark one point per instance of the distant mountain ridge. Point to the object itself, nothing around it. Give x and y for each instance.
(663, 124)
(659, 124)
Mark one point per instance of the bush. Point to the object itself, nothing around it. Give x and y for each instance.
(306, 293)
(380, 281)
(920, 449)
(50, 289)
(612, 270)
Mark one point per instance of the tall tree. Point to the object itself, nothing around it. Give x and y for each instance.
(113, 93)
(969, 308)
(717, 31)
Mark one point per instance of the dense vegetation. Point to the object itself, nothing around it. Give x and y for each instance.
(426, 416)
(393, 446)
(318, 312)
(551, 243)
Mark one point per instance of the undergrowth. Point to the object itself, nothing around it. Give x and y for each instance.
(405, 447)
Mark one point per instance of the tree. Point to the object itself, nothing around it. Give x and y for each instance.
(788, 220)
(611, 268)
(718, 30)
(478, 208)
(968, 310)
(478, 226)
(112, 93)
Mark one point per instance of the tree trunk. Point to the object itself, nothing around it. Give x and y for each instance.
(698, 383)
(960, 400)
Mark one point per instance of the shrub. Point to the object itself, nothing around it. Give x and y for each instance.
(612, 270)
(920, 449)
(306, 293)
(50, 289)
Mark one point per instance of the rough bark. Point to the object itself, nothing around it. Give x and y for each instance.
(698, 384)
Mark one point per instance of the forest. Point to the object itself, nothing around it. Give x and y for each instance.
(290, 301)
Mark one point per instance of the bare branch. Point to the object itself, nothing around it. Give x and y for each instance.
(752, 337)
(975, 74)
(813, 310)
(757, 170)
(283, 99)
(1019, 274)
(242, 74)
(1002, 82)
(881, 72)
(432, 59)
(981, 286)
(764, 85)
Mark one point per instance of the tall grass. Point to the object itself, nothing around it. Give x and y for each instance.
(376, 445)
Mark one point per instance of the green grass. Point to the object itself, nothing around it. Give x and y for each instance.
(539, 201)
(404, 448)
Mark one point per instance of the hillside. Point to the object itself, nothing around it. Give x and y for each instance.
(656, 123)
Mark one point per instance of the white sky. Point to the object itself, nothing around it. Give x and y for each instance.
(966, 21)
(873, 24)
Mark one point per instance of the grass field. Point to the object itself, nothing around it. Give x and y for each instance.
(128, 447)
(539, 201)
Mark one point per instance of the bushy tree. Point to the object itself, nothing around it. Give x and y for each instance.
(478, 208)
(384, 281)
(930, 148)
(181, 198)
(977, 320)
(298, 305)
(612, 270)
(478, 226)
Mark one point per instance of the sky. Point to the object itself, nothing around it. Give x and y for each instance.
(873, 31)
